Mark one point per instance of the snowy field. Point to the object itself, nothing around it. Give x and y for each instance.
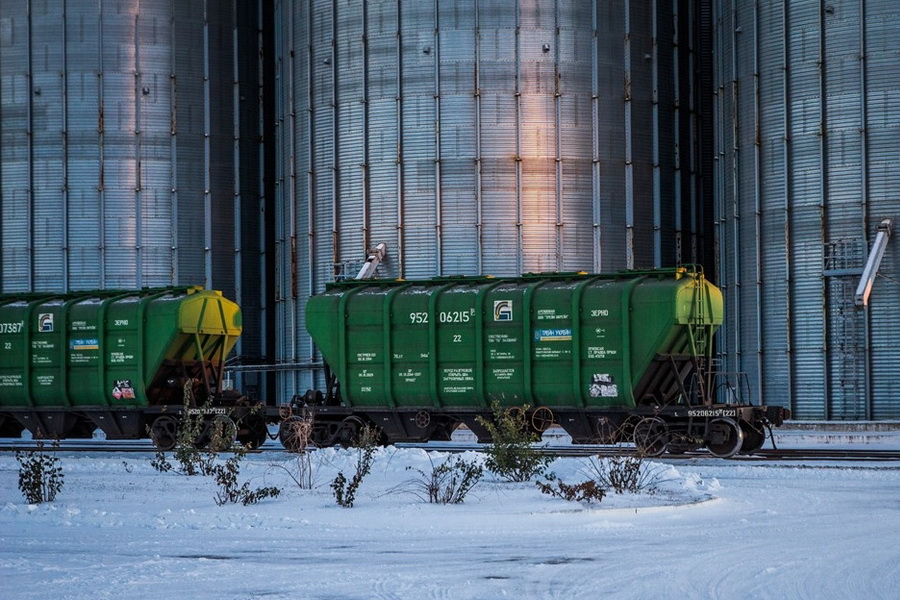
(714, 529)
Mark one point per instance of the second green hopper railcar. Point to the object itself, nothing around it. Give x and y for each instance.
(604, 356)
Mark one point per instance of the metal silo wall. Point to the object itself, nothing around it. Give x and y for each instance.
(120, 128)
(479, 137)
(807, 129)
(129, 148)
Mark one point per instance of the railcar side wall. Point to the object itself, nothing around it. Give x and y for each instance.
(108, 349)
(561, 341)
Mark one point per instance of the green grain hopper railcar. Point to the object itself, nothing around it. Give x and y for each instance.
(114, 360)
(606, 357)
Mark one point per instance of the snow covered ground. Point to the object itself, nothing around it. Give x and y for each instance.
(714, 529)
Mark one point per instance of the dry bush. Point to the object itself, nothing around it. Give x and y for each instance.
(366, 444)
(448, 482)
(626, 474)
(40, 474)
(586, 491)
(511, 453)
(301, 471)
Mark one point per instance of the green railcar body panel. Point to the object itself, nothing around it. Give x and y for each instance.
(570, 340)
(107, 348)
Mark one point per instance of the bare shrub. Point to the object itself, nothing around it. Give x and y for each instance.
(40, 474)
(226, 476)
(344, 489)
(301, 471)
(620, 474)
(216, 436)
(448, 482)
(586, 491)
(192, 461)
(626, 474)
(511, 453)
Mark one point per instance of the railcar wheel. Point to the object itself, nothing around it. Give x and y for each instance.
(348, 434)
(164, 433)
(754, 437)
(651, 436)
(724, 438)
(515, 413)
(219, 433)
(541, 419)
(423, 419)
(294, 433)
(252, 431)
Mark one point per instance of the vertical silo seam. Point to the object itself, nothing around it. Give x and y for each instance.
(596, 230)
(138, 183)
(101, 159)
(479, 200)
(236, 165)
(399, 102)
(2, 207)
(438, 208)
(790, 332)
(266, 260)
(282, 309)
(676, 133)
(311, 173)
(293, 316)
(557, 132)
(2, 202)
(864, 200)
(737, 287)
(518, 120)
(823, 208)
(296, 308)
(173, 148)
(365, 125)
(207, 179)
(705, 128)
(719, 210)
(335, 142)
(695, 219)
(629, 144)
(67, 284)
(655, 154)
(29, 213)
(757, 203)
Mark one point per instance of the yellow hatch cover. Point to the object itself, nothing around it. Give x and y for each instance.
(207, 312)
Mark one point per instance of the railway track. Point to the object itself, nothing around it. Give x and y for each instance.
(562, 450)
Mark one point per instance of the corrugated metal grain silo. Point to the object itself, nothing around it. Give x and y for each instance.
(481, 137)
(130, 151)
(808, 123)
(121, 133)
